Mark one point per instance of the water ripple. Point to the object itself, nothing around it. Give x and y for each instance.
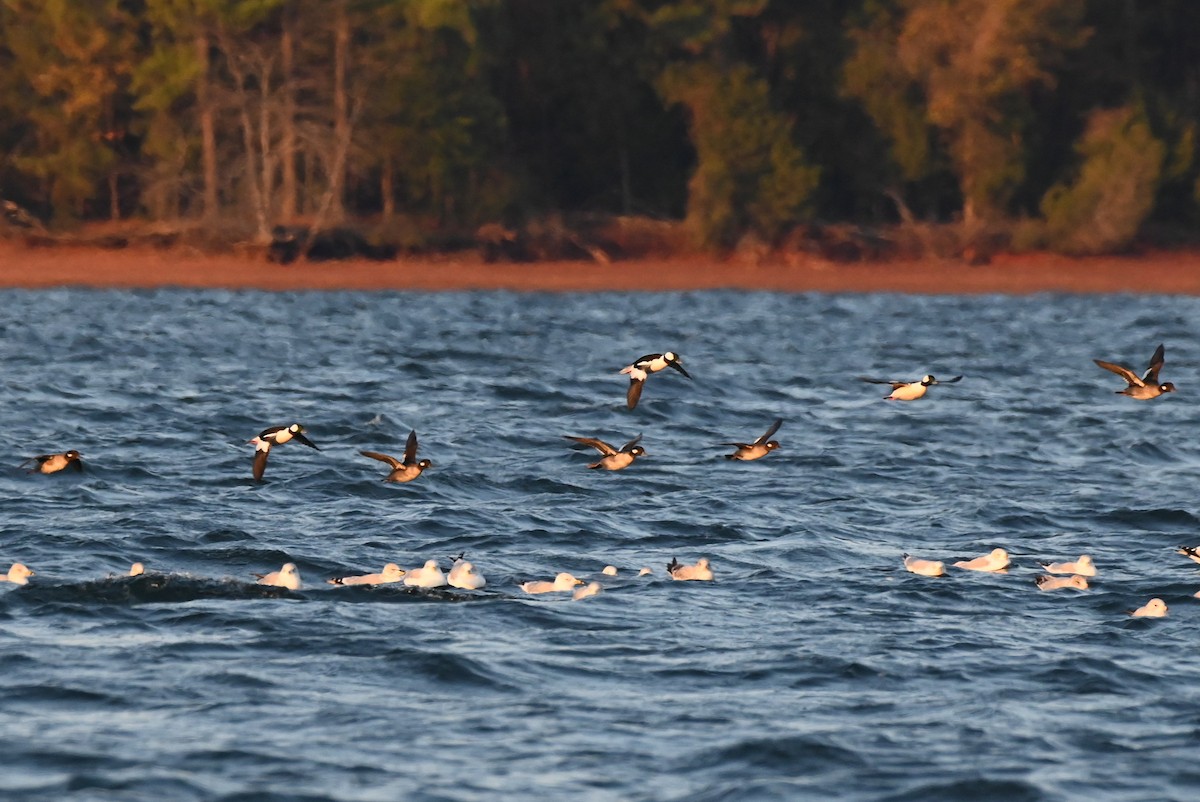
(814, 667)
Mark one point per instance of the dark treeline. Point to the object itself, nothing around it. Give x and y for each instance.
(1069, 124)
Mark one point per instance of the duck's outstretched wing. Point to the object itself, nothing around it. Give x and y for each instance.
(892, 382)
(601, 446)
(631, 443)
(392, 461)
(1156, 363)
(410, 448)
(260, 463)
(767, 435)
(1125, 373)
(634, 393)
(300, 438)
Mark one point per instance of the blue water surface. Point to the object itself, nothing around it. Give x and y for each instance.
(813, 667)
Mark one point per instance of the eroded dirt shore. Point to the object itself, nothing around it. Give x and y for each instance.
(25, 267)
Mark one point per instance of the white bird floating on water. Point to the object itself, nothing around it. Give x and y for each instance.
(590, 589)
(609, 570)
(1155, 608)
(924, 567)
(137, 569)
(18, 574)
(390, 573)
(427, 576)
(286, 577)
(562, 583)
(995, 560)
(1047, 582)
(463, 575)
(1083, 567)
(700, 571)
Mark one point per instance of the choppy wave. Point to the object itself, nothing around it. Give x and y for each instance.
(813, 667)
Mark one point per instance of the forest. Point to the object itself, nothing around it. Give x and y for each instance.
(1067, 125)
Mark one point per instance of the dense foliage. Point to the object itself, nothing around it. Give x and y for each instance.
(1077, 118)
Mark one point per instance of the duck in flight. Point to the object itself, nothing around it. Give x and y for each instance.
(404, 470)
(1148, 385)
(614, 459)
(909, 390)
(276, 436)
(759, 448)
(643, 367)
(53, 463)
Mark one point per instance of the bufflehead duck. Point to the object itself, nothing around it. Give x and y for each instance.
(402, 470)
(643, 367)
(276, 436)
(759, 448)
(613, 459)
(909, 390)
(1191, 552)
(53, 463)
(1147, 386)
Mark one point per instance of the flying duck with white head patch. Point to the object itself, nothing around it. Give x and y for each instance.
(613, 459)
(643, 367)
(404, 470)
(276, 436)
(1147, 386)
(908, 390)
(759, 448)
(53, 463)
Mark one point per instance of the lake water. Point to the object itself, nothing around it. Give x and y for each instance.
(813, 667)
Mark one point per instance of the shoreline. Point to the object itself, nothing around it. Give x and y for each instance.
(1171, 273)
